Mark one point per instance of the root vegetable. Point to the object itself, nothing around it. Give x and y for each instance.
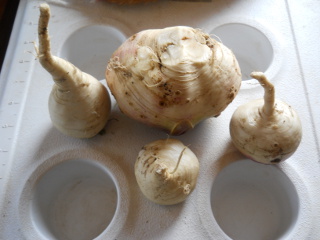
(173, 78)
(79, 105)
(266, 130)
(166, 171)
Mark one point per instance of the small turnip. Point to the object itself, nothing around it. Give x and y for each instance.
(166, 171)
(79, 105)
(173, 78)
(266, 130)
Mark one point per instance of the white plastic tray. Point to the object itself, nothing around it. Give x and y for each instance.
(56, 187)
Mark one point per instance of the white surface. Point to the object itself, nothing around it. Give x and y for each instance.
(304, 17)
(30, 147)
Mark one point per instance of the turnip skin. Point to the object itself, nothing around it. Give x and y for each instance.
(90, 113)
(266, 130)
(166, 171)
(79, 105)
(173, 78)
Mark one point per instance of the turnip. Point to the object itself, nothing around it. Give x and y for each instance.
(166, 171)
(266, 130)
(173, 78)
(79, 105)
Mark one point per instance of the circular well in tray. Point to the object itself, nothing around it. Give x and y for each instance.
(74, 199)
(250, 200)
(90, 48)
(251, 46)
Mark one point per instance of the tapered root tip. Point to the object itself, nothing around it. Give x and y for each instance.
(269, 92)
(44, 8)
(44, 18)
(262, 79)
(257, 75)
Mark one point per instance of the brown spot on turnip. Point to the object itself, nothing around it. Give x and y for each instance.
(209, 41)
(162, 103)
(84, 85)
(243, 120)
(43, 30)
(232, 93)
(146, 161)
(102, 132)
(277, 160)
(126, 74)
(164, 47)
(133, 37)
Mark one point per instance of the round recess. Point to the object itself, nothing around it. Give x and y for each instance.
(253, 48)
(254, 201)
(77, 194)
(89, 48)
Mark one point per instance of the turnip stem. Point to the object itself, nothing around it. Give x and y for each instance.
(65, 74)
(178, 163)
(44, 40)
(269, 92)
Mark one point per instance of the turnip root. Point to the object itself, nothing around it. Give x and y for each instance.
(173, 78)
(266, 130)
(79, 105)
(166, 171)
